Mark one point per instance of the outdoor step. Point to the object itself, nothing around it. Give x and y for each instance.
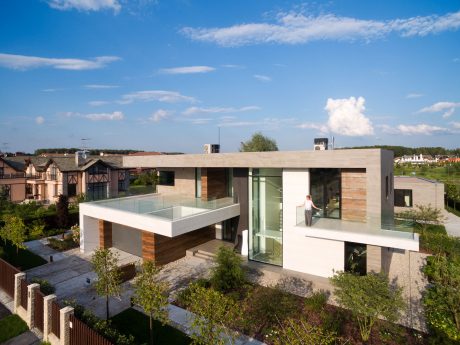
(204, 255)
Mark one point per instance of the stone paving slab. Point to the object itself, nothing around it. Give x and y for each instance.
(26, 338)
(452, 224)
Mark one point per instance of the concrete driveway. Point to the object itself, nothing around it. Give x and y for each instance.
(452, 224)
(69, 276)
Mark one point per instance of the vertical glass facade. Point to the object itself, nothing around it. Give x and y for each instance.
(325, 190)
(266, 216)
(198, 183)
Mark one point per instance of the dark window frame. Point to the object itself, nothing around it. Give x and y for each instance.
(166, 178)
(399, 197)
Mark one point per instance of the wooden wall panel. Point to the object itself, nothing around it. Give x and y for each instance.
(167, 249)
(213, 183)
(354, 194)
(105, 234)
(241, 194)
(148, 245)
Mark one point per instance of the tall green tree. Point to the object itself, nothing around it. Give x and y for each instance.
(62, 211)
(14, 231)
(105, 264)
(259, 143)
(368, 298)
(152, 295)
(215, 315)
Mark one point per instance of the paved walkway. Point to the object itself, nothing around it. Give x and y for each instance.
(26, 338)
(40, 248)
(452, 224)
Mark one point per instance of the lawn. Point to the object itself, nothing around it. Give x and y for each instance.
(440, 173)
(11, 326)
(23, 260)
(136, 323)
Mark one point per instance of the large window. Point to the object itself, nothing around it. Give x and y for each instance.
(266, 216)
(403, 197)
(325, 189)
(97, 191)
(2, 171)
(356, 258)
(71, 190)
(166, 178)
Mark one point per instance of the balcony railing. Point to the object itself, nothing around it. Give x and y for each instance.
(15, 175)
(34, 176)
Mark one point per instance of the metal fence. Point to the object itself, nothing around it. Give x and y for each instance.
(23, 290)
(38, 314)
(55, 319)
(81, 334)
(7, 273)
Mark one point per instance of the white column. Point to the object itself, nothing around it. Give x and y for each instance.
(64, 319)
(47, 300)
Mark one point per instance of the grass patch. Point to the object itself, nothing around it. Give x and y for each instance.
(62, 245)
(453, 210)
(136, 323)
(11, 326)
(23, 260)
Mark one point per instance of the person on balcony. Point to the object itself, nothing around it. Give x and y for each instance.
(309, 206)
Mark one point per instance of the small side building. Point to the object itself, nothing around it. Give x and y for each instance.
(410, 191)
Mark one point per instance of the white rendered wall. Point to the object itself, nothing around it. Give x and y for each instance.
(89, 233)
(127, 239)
(296, 185)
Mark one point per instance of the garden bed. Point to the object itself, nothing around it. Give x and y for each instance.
(62, 245)
(22, 259)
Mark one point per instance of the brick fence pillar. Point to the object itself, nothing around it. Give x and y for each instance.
(64, 319)
(31, 304)
(47, 315)
(18, 277)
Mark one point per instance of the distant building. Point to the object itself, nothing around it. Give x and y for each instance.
(410, 191)
(12, 179)
(416, 159)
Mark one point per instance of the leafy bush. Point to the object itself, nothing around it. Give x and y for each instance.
(317, 301)
(439, 243)
(62, 245)
(228, 274)
(45, 286)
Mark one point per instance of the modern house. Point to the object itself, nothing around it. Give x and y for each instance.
(12, 179)
(221, 195)
(98, 177)
(411, 191)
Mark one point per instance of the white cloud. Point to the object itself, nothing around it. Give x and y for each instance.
(201, 121)
(447, 107)
(423, 129)
(100, 86)
(269, 123)
(263, 78)
(299, 28)
(97, 103)
(115, 116)
(323, 129)
(218, 110)
(456, 125)
(22, 62)
(346, 117)
(160, 114)
(50, 90)
(414, 95)
(187, 70)
(39, 120)
(156, 95)
(233, 66)
(85, 5)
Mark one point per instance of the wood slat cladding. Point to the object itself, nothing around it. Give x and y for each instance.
(148, 245)
(213, 183)
(354, 194)
(241, 192)
(105, 234)
(164, 249)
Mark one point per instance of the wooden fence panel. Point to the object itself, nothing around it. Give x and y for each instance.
(55, 319)
(127, 271)
(81, 334)
(7, 273)
(38, 311)
(24, 294)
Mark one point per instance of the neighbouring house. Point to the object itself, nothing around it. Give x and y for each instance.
(416, 159)
(411, 191)
(255, 201)
(98, 177)
(12, 179)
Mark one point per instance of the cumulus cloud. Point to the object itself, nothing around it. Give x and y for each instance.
(22, 62)
(85, 5)
(448, 108)
(346, 117)
(414, 95)
(156, 95)
(97, 103)
(115, 116)
(39, 120)
(420, 129)
(160, 114)
(300, 28)
(187, 70)
(263, 78)
(218, 110)
(100, 86)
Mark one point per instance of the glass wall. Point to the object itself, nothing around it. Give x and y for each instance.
(325, 191)
(198, 183)
(266, 216)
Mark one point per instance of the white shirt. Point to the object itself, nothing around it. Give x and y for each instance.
(308, 205)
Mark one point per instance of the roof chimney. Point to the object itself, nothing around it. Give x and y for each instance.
(80, 158)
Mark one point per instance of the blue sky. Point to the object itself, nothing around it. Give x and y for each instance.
(165, 75)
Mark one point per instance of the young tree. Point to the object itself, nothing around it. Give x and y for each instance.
(151, 295)
(37, 229)
(367, 298)
(228, 274)
(215, 315)
(62, 211)
(259, 143)
(14, 230)
(105, 264)
(423, 216)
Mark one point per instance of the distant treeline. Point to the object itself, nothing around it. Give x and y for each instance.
(91, 152)
(402, 150)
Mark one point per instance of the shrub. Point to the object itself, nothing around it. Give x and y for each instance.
(62, 245)
(299, 332)
(317, 301)
(228, 274)
(45, 286)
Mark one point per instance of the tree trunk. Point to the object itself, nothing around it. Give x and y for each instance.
(151, 329)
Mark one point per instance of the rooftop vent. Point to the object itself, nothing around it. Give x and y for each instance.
(320, 144)
(80, 158)
(211, 148)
